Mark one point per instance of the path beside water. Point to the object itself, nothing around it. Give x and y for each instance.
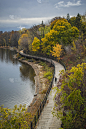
(46, 120)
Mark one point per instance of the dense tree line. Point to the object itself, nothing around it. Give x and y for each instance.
(45, 37)
(70, 98)
(9, 38)
(59, 31)
(80, 22)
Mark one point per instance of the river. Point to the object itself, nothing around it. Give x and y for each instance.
(17, 85)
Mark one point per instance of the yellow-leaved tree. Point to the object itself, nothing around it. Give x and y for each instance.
(49, 41)
(24, 42)
(62, 32)
(35, 44)
(57, 51)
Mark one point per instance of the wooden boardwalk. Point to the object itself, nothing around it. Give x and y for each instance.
(46, 120)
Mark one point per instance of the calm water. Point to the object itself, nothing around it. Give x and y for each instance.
(17, 84)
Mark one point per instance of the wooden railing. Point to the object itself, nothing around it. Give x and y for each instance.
(38, 113)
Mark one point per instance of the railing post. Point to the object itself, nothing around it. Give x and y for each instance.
(40, 108)
(42, 104)
(38, 114)
(31, 125)
(35, 120)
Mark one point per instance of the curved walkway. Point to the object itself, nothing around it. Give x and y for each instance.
(46, 119)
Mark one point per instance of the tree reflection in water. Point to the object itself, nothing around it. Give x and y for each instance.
(16, 80)
(26, 72)
(7, 56)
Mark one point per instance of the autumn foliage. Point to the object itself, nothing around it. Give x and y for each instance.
(57, 50)
(24, 42)
(16, 118)
(62, 32)
(35, 44)
(72, 98)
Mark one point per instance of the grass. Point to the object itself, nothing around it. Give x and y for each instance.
(48, 70)
(48, 75)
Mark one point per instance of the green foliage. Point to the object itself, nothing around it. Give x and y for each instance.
(43, 64)
(49, 41)
(44, 30)
(61, 25)
(74, 32)
(83, 27)
(62, 32)
(53, 23)
(65, 31)
(48, 75)
(72, 21)
(83, 17)
(17, 118)
(78, 21)
(48, 71)
(72, 97)
(68, 17)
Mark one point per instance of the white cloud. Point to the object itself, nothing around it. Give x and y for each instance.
(61, 2)
(11, 17)
(42, 1)
(25, 20)
(68, 4)
(39, 1)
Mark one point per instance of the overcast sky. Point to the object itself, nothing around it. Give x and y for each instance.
(15, 14)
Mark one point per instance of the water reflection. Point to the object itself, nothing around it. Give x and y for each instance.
(16, 80)
(7, 56)
(24, 74)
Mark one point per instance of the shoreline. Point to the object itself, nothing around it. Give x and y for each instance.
(40, 85)
(37, 69)
(39, 80)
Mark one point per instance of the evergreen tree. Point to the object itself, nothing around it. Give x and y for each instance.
(68, 17)
(78, 21)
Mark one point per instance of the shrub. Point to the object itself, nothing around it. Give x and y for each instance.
(47, 74)
(15, 118)
(72, 98)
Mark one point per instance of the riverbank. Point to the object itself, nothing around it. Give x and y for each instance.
(41, 83)
(46, 119)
